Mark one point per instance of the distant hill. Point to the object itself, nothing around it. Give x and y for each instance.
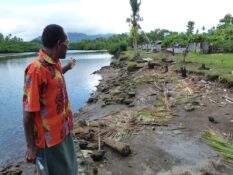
(75, 37)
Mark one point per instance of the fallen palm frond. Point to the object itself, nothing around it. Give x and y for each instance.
(220, 143)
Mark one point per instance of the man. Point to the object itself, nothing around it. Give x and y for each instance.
(48, 118)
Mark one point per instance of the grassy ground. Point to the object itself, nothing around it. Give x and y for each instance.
(221, 65)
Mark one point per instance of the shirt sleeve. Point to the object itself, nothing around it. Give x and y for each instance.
(32, 82)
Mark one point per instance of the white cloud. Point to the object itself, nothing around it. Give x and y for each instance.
(109, 16)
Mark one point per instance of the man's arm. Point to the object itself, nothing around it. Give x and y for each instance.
(69, 66)
(28, 122)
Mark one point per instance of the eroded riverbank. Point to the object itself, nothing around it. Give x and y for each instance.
(159, 114)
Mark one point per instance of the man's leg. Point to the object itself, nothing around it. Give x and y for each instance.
(60, 159)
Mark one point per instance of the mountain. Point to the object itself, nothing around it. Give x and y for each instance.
(75, 37)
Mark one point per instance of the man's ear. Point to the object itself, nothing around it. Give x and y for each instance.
(59, 43)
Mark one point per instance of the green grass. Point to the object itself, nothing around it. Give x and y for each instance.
(156, 116)
(220, 65)
(220, 143)
(144, 54)
(149, 79)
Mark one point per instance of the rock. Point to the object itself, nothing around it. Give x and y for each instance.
(92, 146)
(128, 101)
(196, 103)
(211, 119)
(166, 60)
(131, 94)
(75, 115)
(147, 59)
(151, 65)
(11, 170)
(81, 130)
(189, 107)
(92, 100)
(97, 123)
(117, 99)
(97, 155)
(82, 122)
(82, 144)
(123, 59)
(133, 66)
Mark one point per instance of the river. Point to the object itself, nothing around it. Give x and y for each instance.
(80, 84)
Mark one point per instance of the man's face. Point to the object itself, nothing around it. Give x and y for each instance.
(62, 48)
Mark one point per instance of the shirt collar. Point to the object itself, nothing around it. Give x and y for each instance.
(48, 59)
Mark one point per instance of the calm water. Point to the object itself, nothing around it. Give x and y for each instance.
(80, 83)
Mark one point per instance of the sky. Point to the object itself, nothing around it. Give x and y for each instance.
(27, 18)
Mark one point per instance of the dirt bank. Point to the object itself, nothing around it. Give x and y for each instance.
(158, 114)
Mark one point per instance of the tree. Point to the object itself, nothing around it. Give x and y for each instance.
(203, 29)
(190, 27)
(133, 21)
(1, 37)
(226, 21)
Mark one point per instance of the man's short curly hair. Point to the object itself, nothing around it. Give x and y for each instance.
(52, 34)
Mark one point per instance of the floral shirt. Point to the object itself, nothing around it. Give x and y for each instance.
(45, 94)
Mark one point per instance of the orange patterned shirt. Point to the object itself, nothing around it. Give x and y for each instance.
(45, 94)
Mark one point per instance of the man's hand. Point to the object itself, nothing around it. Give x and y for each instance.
(69, 66)
(72, 63)
(30, 154)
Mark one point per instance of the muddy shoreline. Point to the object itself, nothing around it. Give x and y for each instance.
(159, 114)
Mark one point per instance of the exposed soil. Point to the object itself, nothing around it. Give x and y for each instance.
(161, 116)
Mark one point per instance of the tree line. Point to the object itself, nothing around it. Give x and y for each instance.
(219, 37)
(13, 44)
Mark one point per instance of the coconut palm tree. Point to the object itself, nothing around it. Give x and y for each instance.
(134, 22)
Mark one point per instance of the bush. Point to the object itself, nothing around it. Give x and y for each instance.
(116, 48)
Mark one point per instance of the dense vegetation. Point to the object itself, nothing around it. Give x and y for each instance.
(220, 38)
(114, 44)
(11, 44)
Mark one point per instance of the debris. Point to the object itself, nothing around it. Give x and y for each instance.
(82, 122)
(158, 87)
(203, 67)
(100, 124)
(228, 99)
(81, 130)
(220, 143)
(97, 155)
(189, 107)
(86, 153)
(211, 119)
(92, 146)
(92, 100)
(120, 147)
(183, 72)
(82, 144)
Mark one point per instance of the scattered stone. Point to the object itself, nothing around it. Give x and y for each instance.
(82, 144)
(151, 64)
(92, 100)
(97, 155)
(92, 146)
(82, 122)
(189, 108)
(131, 94)
(211, 119)
(97, 123)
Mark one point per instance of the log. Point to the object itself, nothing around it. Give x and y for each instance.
(120, 147)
